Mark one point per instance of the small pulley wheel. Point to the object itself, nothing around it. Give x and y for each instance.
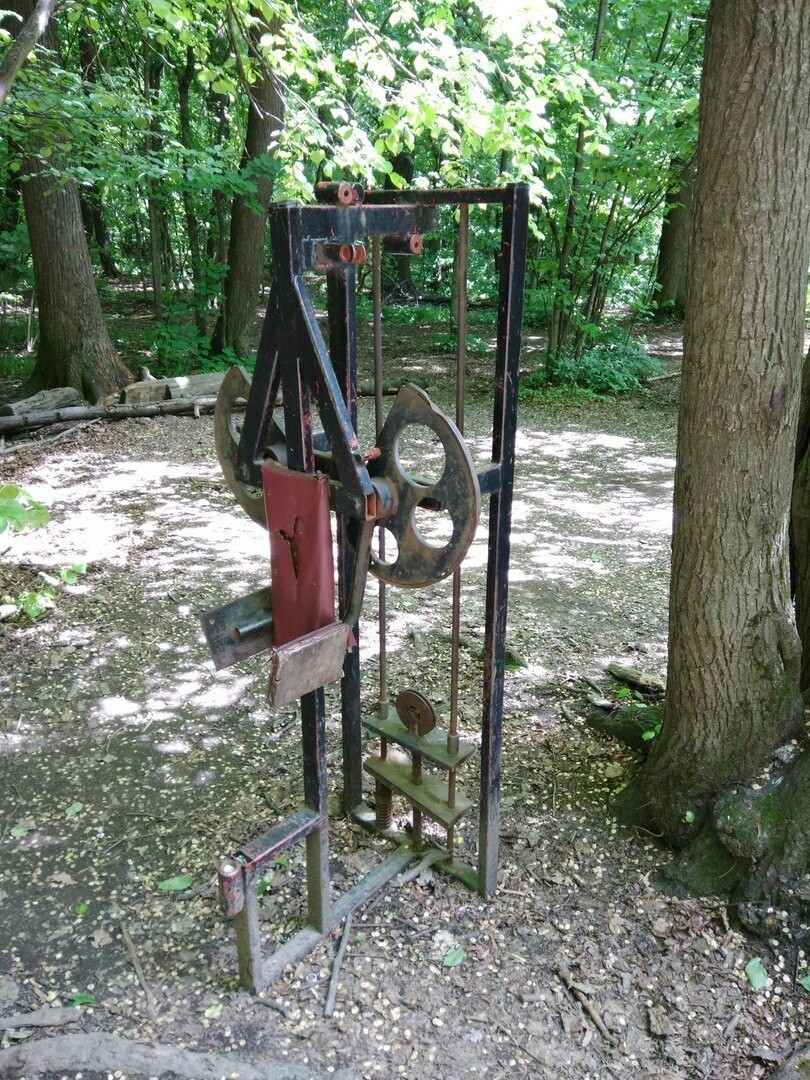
(236, 384)
(415, 712)
(456, 493)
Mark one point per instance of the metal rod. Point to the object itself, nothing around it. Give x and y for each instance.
(461, 379)
(343, 353)
(438, 196)
(376, 295)
(513, 265)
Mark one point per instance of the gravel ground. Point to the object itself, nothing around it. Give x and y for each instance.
(127, 761)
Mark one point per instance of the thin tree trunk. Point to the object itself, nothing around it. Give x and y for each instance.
(558, 327)
(74, 346)
(248, 216)
(192, 227)
(153, 70)
(673, 247)
(25, 39)
(95, 221)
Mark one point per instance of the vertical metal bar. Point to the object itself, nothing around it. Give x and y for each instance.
(248, 938)
(300, 455)
(340, 291)
(510, 315)
(461, 381)
(376, 295)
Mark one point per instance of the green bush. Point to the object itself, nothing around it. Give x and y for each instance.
(613, 365)
(608, 367)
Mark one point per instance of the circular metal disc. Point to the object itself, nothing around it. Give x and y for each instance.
(457, 492)
(236, 384)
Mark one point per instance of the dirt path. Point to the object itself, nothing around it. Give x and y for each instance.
(125, 761)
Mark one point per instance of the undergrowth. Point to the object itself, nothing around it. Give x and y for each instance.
(614, 365)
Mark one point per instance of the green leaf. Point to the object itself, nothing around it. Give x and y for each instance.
(453, 958)
(757, 975)
(647, 735)
(74, 808)
(805, 982)
(282, 860)
(17, 831)
(80, 999)
(80, 908)
(689, 817)
(176, 884)
(214, 1011)
(261, 887)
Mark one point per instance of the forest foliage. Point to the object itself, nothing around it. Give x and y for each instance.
(146, 107)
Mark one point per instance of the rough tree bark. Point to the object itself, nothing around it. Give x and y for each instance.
(800, 528)
(249, 213)
(28, 34)
(734, 656)
(92, 203)
(673, 247)
(74, 346)
(185, 78)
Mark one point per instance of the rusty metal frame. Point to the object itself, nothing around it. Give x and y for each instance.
(314, 378)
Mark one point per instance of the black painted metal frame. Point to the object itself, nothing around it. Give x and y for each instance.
(293, 356)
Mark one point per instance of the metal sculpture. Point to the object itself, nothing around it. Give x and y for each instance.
(290, 475)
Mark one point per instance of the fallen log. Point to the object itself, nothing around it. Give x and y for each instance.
(180, 387)
(635, 677)
(10, 425)
(46, 400)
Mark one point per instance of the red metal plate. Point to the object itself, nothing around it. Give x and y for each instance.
(301, 564)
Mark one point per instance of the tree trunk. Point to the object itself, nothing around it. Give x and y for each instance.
(95, 220)
(800, 528)
(74, 346)
(184, 80)
(153, 71)
(404, 291)
(248, 215)
(560, 312)
(36, 22)
(673, 247)
(734, 658)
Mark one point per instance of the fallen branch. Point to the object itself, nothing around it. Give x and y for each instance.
(45, 442)
(329, 1006)
(662, 378)
(433, 856)
(641, 680)
(151, 1011)
(108, 1053)
(11, 424)
(587, 1005)
(42, 1017)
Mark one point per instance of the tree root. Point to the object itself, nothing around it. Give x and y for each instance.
(99, 1051)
